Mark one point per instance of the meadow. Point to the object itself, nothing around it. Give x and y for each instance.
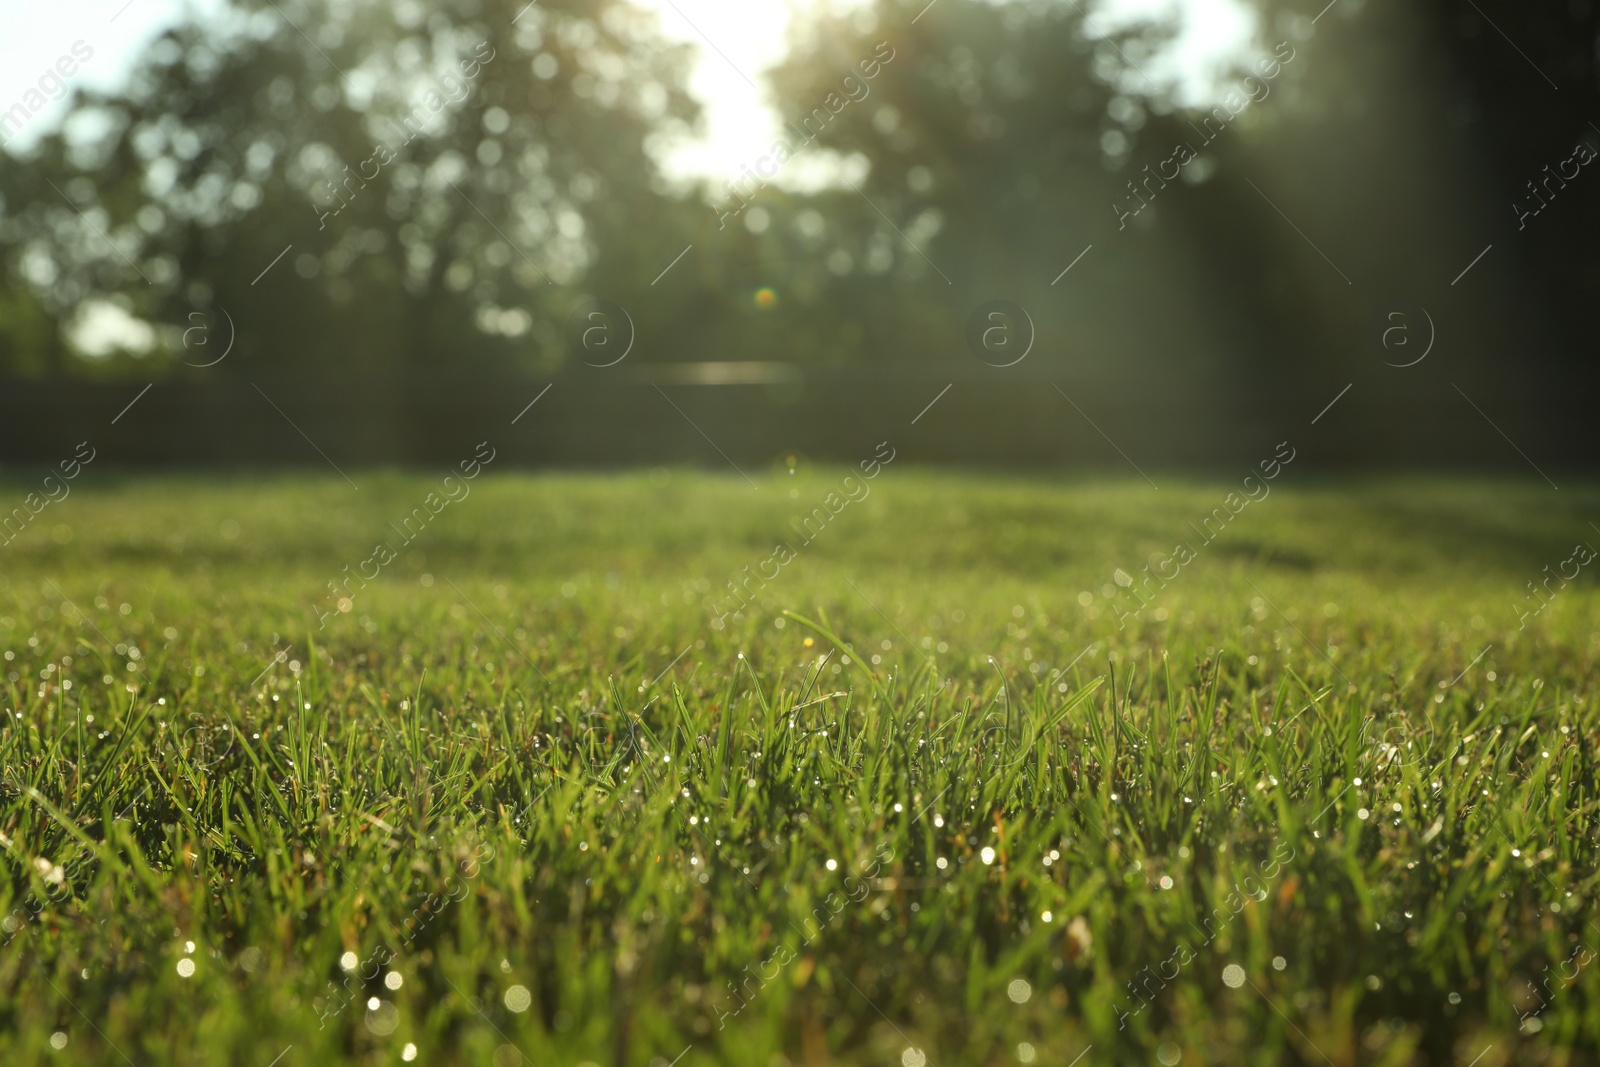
(542, 789)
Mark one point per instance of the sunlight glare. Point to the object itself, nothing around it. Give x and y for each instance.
(737, 41)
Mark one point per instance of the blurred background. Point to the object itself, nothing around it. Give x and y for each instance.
(1027, 232)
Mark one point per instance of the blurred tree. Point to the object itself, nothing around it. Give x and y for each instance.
(998, 145)
(1397, 149)
(436, 177)
(30, 342)
(1001, 140)
(415, 190)
(1523, 84)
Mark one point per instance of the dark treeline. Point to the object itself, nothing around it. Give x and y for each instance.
(422, 204)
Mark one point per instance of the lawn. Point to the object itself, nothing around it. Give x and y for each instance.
(297, 773)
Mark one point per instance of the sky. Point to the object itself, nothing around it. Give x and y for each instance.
(736, 41)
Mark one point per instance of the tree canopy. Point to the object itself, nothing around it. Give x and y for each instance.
(431, 188)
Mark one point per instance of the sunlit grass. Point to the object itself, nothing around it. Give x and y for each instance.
(921, 802)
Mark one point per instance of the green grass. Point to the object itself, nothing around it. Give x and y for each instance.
(525, 770)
